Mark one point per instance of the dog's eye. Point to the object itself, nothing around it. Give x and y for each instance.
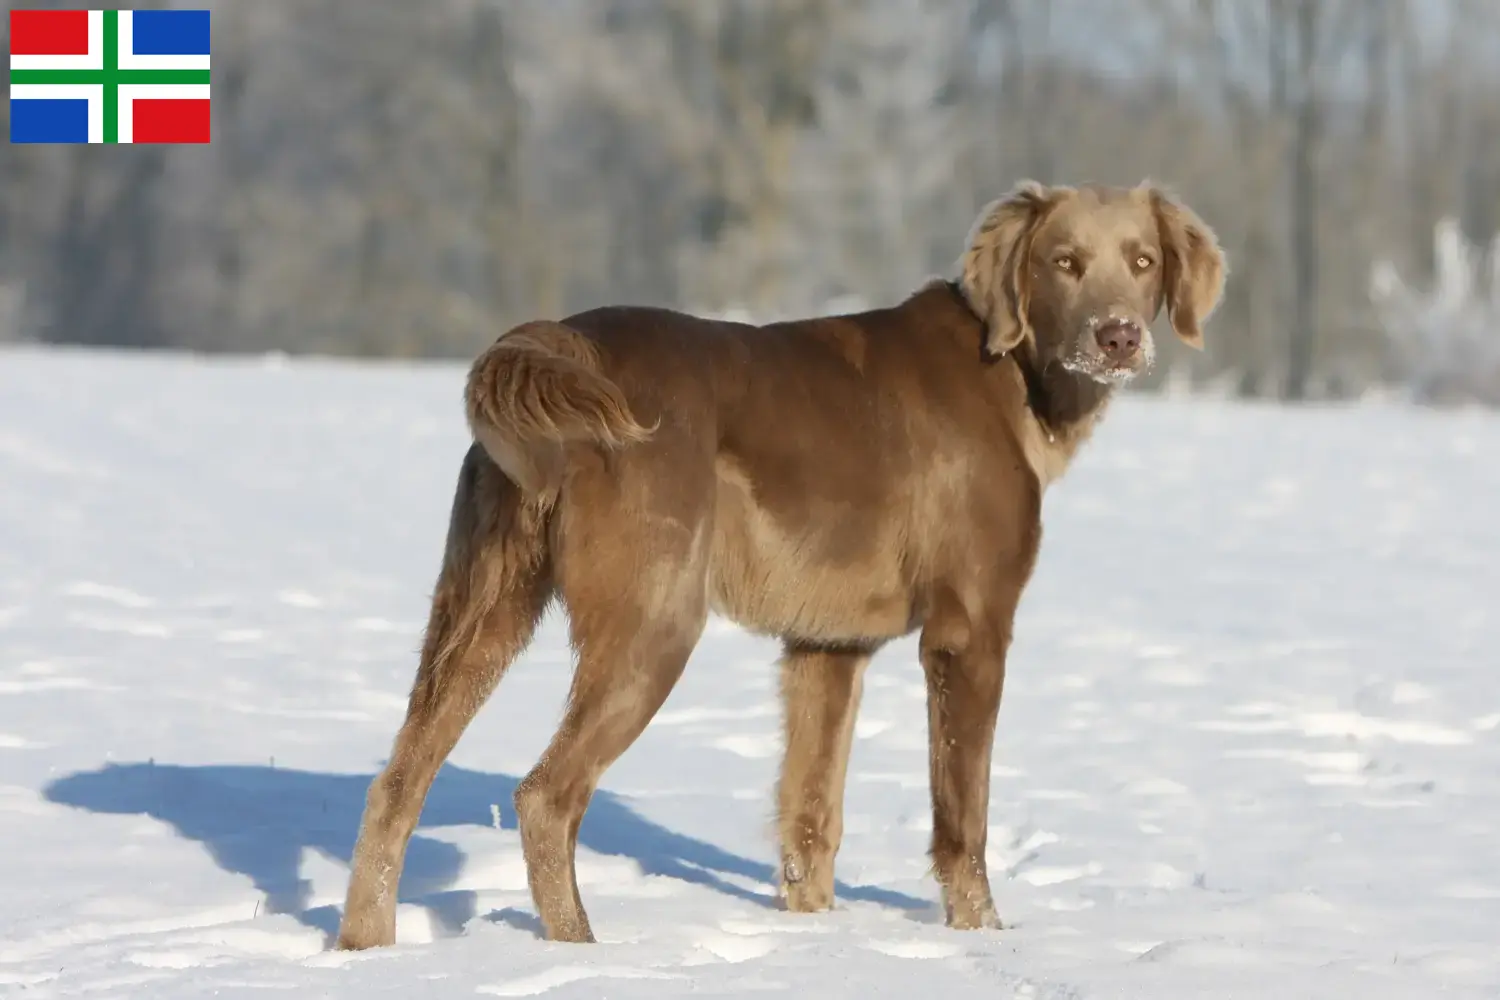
(1069, 264)
(1143, 263)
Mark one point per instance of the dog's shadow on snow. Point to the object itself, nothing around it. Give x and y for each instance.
(257, 821)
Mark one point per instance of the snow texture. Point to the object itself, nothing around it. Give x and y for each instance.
(1250, 745)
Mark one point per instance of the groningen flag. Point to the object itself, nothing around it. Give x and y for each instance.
(109, 76)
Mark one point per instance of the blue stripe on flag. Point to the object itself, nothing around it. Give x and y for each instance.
(170, 33)
(49, 120)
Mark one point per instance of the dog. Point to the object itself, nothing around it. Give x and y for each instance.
(836, 482)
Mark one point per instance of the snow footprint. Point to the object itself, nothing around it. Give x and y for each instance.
(752, 747)
(118, 596)
(293, 597)
(914, 948)
(745, 940)
(554, 978)
(734, 948)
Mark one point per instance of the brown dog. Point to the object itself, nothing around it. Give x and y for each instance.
(837, 482)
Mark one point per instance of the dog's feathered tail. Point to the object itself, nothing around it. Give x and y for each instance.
(538, 387)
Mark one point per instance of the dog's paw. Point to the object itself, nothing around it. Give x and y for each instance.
(989, 921)
(804, 891)
(358, 940)
(972, 912)
(807, 898)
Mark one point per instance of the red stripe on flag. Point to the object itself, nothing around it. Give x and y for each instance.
(170, 120)
(49, 32)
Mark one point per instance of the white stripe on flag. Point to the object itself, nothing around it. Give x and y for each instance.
(94, 60)
(129, 92)
(92, 92)
(129, 60)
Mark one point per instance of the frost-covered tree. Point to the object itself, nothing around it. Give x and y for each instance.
(1445, 340)
(881, 169)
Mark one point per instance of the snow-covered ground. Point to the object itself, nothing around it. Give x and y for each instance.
(1250, 745)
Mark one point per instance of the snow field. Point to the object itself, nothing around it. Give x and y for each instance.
(1250, 745)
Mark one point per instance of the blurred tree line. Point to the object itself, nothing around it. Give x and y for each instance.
(397, 178)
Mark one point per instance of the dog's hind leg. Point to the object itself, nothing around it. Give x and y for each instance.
(491, 592)
(820, 691)
(636, 614)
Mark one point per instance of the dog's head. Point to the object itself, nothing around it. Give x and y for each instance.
(1078, 274)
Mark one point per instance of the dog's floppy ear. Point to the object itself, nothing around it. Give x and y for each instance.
(1192, 268)
(993, 270)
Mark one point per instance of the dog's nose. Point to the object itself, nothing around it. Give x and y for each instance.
(1120, 338)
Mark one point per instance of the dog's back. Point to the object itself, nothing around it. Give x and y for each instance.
(821, 473)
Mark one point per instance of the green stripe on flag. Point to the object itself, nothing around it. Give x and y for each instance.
(121, 76)
(111, 77)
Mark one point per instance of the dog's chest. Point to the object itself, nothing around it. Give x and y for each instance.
(1049, 450)
(1047, 454)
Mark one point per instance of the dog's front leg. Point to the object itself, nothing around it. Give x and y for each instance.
(965, 668)
(820, 689)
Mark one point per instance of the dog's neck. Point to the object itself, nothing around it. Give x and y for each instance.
(1059, 399)
(1061, 410)
(1061, 406)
